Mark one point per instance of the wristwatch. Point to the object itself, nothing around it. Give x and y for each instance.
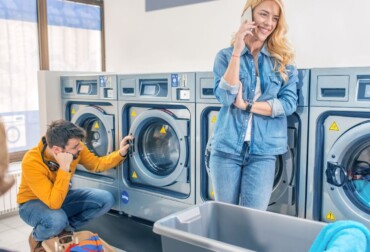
(249, 106)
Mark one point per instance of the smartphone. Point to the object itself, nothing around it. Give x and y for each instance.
(247, 15)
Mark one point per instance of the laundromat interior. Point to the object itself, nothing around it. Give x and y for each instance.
(145, 69)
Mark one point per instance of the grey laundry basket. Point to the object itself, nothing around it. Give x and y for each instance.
(215, 226)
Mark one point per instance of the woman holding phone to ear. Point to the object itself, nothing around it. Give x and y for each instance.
(255, 81)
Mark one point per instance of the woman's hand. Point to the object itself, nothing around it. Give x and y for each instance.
(239, 102)
(245, 29)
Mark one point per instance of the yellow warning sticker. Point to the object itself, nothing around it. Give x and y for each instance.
(213, 119)
(330, 216)
(163, 130)
(133, 113)
(134, 175)
(96, 125)
(73, 111)
(213, 193)
(334, 126)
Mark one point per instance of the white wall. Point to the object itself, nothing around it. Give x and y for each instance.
(50, 103)
(50, 93)
(325, 33)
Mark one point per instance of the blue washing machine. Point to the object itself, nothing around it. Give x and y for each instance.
(338, 185)
(159, 111)
(288, 195)
(91, 103)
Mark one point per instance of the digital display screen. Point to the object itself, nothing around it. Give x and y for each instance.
(84, 89)
(149, 90)
(367, 91)
(363, 92)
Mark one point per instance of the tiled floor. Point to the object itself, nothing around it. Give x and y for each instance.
(14, 233)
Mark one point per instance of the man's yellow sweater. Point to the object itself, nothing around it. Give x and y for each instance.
(38, 182)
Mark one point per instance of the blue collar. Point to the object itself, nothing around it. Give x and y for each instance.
(263, 50)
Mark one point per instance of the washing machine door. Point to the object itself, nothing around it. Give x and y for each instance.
(348, 172)
(99, 130)
(211, 118)
(160, 148)
(284, 180)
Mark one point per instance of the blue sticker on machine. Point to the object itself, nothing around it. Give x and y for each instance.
(174, 80)
(124, 197)
(102, 80)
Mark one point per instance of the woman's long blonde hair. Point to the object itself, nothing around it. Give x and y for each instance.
(277, 43)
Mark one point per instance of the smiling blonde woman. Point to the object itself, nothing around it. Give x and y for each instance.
(256, 83)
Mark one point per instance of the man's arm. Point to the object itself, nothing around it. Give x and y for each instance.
(37, 178)
(99, 164)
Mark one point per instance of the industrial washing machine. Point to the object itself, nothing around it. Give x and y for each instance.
(288, 196)
(159, 111)
(338, 185)
(91, 103)
(15, 128)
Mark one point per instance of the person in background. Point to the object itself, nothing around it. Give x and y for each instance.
(47, 203)
(5, 182)
(256, 83)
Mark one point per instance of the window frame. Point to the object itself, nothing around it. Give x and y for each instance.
(42, 24)
(43, 31)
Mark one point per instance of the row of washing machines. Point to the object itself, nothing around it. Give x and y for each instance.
(324, 176)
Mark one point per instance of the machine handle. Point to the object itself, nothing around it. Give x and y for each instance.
(131, 148)
(336, 174)
(207, 155)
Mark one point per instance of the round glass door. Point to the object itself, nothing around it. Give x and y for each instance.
(159, 148)
(284, 175)
(357, 186)
(96, 135)
(98, 127)
(348, 169)
(99, 138)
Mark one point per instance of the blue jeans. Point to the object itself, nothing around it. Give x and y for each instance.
(80, 206)
(243, 179)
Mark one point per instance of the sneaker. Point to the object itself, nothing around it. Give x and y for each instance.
(35, 246)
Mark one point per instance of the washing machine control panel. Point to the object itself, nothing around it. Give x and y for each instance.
(90, 87)
(183, 90)
(165, 87)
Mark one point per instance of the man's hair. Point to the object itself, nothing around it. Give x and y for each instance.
(60, 131)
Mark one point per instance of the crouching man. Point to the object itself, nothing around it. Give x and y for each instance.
(46, 201)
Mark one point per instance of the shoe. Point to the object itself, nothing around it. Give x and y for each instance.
(35, 246)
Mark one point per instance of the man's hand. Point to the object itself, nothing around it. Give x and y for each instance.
(124, 145)
(64, 159)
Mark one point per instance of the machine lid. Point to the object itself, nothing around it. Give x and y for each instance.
(348, 167)
(160, 147)
(99, 129)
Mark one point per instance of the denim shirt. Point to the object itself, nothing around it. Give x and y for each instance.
(269, 133)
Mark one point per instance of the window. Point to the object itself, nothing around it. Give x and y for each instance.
(18, 72)
(74, 36)
(48, 35)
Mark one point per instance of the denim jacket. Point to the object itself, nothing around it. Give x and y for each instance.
(268, 133)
